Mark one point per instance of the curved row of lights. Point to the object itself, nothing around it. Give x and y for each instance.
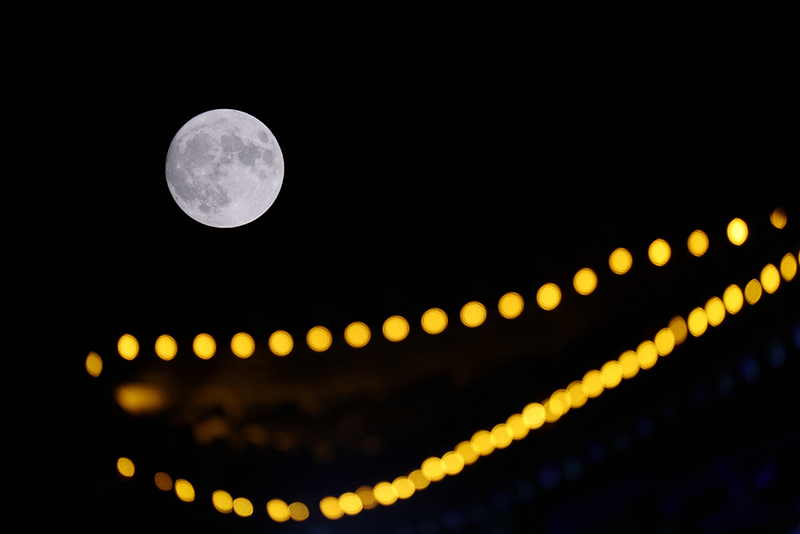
(518, 425)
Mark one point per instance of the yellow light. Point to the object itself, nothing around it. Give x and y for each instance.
(433, 469)
(502, 436)
(395, 328)
(385, 493)
(629, 364)
(647, 354)
(351, 503)
(698, 243)
(468, 452)
(125, 467)
(453, 463)
(665, 341)
(222, 501)
(770, 278)
(330, 507)
(319, 339)
(403, 487)
(244, 508)
(419, 479)
(659, 252)
(204, 346)
(698, 322)
(752, 291)
(593, 383)
(297, 511)
(94, 364)
(367, 497)
(534, 415)
(281, 343)
(552, 410)
(679, 329)
(434, 321)
(585, 281)
(510, 305)
(715, 311)
(577, 394)
(737, 231)
(242, 345)
(548, 296)
(184, 490)
(788, 267)
(357, 334)
(128, 347)
(620, 261)
(561, 396)
(279, 512)
(163, 481)
(611, 373)
(733, 299)
(778, 218)
(140, 399)
(166, 347)
(473, 314)
(519, 428)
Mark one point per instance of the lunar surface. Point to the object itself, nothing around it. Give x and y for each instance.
(224, 168)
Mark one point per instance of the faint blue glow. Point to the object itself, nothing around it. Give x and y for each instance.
(765, 476)
(645, 426)
(622, 442)
(502, 500)
(596, 452)
(749, 368)
(573, 468)
(453, 520)
(548, 477)
(777, 354)
(726, 384)
(526, 491)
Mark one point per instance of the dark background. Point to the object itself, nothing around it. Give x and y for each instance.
(431, 161)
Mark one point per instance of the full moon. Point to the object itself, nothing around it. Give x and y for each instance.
(224, 168)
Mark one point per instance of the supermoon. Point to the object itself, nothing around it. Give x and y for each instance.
(224, 168)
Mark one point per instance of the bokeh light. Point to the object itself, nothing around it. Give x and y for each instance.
(434, 321)
(281, 343)
(242, 345)
(94, 364)
(128, 347)
(715, 311)
(737, 231)
(278, 510)
(244, 508)
(611, 373)
(473, 314)
(548, 296)
(664, 341)
(166, 347)
(562, 397)
(319, 339)
(733, 299)
(698, 322)
(501, 437)
(647, 354)
(679, 329)
(297, 511)
(552, 410)
(770, 278)
(395, 328)
(330, 507)
(483, 442)
(519, 428)
(788, 267)
(468, 452)
(184, 490)
(140, 398)
(659, 252)
(577, 393)
(367, 496)
(125, 467)
(453, 463)
(752, 291)
(357, 334)
(697, 243)
(620, 261)
(222, 501)
(434, 468)
(629, 364)
(585, 281)
(385, 493)
(404, 487)
(778, 218)
(204, 346)
(351, 502)
(534, 415)
(593, 383)
(163, 481)
(510, 305)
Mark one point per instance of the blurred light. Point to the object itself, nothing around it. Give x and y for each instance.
(297, 511)
(788, 267)
(468, 452)
(211, 428)
(585, 281)
(128, 347)
(665, 341)
(367, 497)
(184, 490)
(319, 339)
(357, 334)
(351, 503)
(434, 321)
(698, 243)
(222, 501)
(733, 299)
(611, 373)
(715, 311)
(659, 252)
(577, 394)
(548, 296)
(330, 507)
(752, 291)
(483, 442)
(561, 396)
(679, 329)
(593, 383)
(778, 218)
(534, 415)
(385, 493)
(737, 231)
(434, 468)
(501, 437)
(647, 354)
(473, 314)
(281, 343)
(519, 428)
(453, 463)
(770, 278)
(552, 410)
(620, 261)
(242, 345)
(204, 346)
(698, 322)
(166, 347)
(244, 508)
(163, 481)
(395, 328)
(278, 510)
(404, 487)
(125, 467)
(421, 480)
(140, 399)
(629, 364)
(94, 364)
(510, 305)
